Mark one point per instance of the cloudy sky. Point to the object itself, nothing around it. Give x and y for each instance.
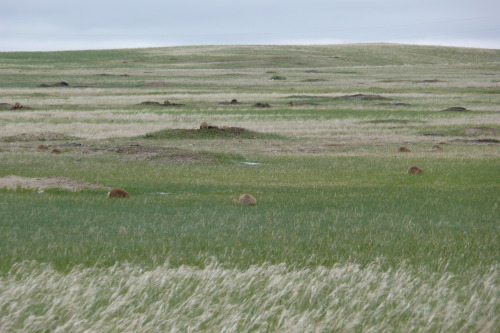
(32, 25)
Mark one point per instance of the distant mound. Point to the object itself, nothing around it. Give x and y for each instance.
(210, 133)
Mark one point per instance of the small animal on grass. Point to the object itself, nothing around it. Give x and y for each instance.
(437, 147)
(56, 151)
(204, 125)
(43, 147)
(415, 170)
(118, 193)
(246, 199)
(404, 150)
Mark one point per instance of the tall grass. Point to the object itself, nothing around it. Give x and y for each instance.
(272, 298)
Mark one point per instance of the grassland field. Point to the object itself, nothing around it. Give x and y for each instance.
(342, 238)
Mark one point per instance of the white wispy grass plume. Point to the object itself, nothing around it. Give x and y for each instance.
(346, 297)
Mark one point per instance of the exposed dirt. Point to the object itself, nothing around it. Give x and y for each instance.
(13, 182)
(6, 106)
(456, 108)
(58, 84)
(233, 102)
(363, 97)
(165, 103)
(261, 105)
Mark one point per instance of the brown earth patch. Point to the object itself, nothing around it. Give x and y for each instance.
(261, 105)
(6, 106)
(456, 108)
(58, 84)
(13, 182)
(363, 97)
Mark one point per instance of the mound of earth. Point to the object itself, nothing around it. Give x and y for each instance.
(13, 182)
(166, 103)
(58, 84)
(233, 102)
(363, 97)
(261, 105)
(456, 108)
(6, 106)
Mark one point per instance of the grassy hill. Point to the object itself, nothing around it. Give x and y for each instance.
(342, 238)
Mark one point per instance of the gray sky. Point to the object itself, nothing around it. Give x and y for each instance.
(32, 25)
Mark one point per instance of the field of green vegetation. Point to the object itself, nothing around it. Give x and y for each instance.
(342, 239)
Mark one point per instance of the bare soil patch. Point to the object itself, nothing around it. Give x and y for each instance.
(363, 97)
(6, 106)
(233, 102)
(58, 84)
(13, 182)
(165, 103)
(456, 108)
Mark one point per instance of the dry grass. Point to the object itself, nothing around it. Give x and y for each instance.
(342, 298)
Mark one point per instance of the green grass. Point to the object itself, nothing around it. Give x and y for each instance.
(315, 211)
(342, 238)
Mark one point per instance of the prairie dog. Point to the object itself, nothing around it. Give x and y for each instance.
(246, 199)
(118, 193)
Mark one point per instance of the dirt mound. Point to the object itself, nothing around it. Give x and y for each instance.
(15, 106)
(13, 182)
(301, 104)
(58, 84)
(456, 108)
(5, 106)
(233, 102)
(363, 97)
(165, 103)
(261, 105)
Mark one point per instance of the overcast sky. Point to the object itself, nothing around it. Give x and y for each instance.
(40, 25)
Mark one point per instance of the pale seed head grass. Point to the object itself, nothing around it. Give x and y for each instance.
(344, 297)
